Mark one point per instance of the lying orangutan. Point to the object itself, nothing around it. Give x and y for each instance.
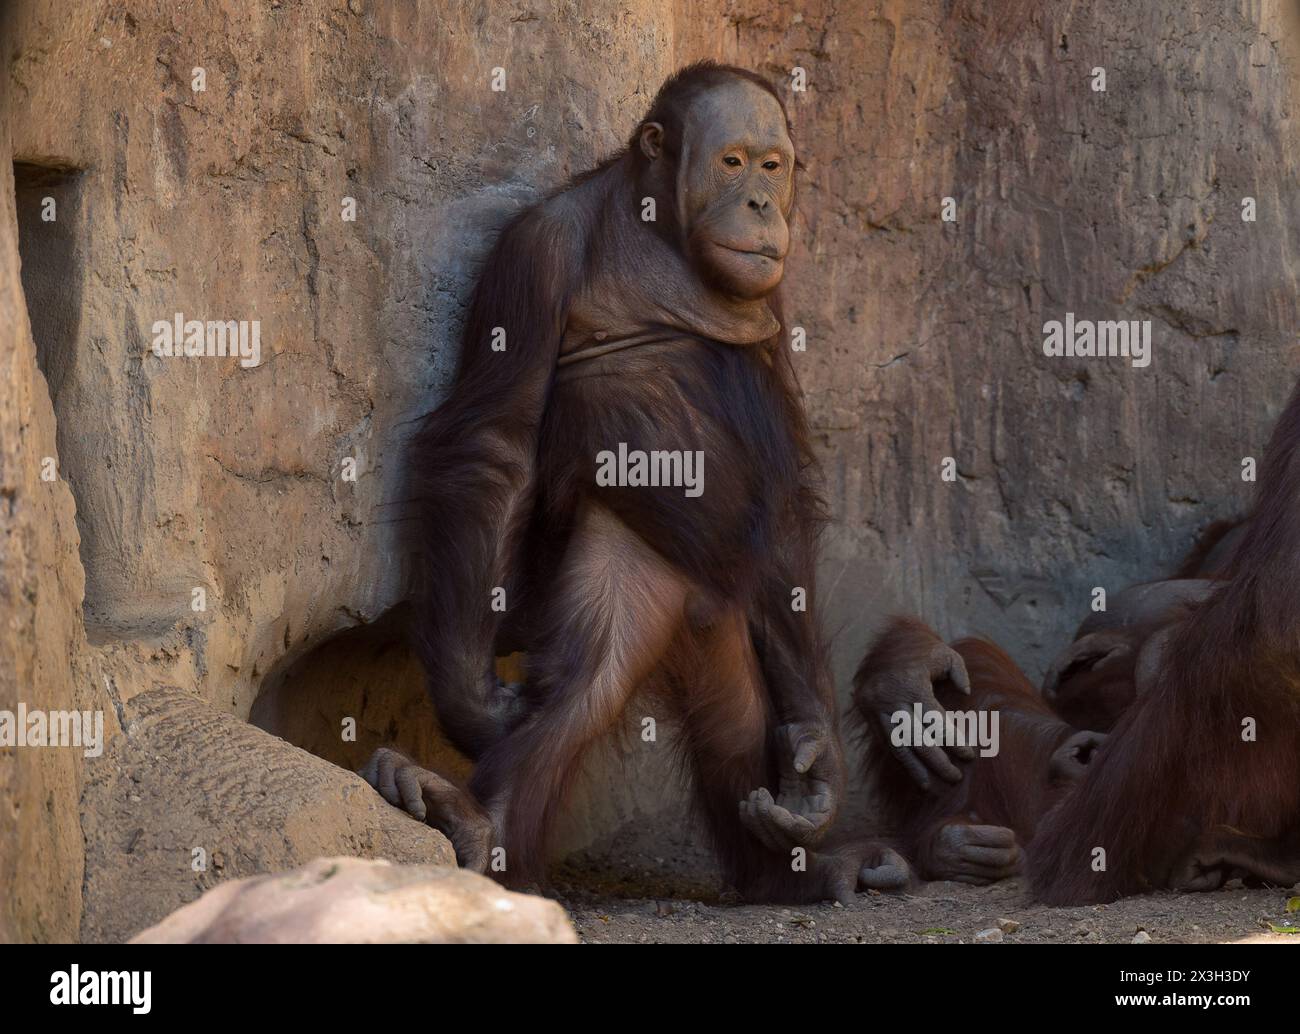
(969, 830)
(1200, 679)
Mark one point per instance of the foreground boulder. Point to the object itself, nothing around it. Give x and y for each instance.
(190, 797)
(354, 901)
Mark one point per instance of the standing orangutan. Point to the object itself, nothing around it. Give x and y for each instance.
(633, 313)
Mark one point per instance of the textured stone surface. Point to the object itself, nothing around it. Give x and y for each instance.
(42, 660)
(924, 337)
(190, 782)
(349, 901)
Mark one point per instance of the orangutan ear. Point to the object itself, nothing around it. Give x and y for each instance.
(652, 140)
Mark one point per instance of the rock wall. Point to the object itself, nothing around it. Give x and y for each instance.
(924, 336)
(41, 638)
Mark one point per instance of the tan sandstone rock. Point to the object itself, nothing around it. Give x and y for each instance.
(190, 787)
(351, 901)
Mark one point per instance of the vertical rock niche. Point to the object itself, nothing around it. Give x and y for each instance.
(48, 202)
(48, 199)
(93, 369)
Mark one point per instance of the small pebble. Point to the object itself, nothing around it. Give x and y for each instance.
(990, 936)
(1141, 937)
(1008, 925)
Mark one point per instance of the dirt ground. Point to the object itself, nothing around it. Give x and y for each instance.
(625, 893)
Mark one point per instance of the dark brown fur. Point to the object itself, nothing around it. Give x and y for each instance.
(1176, 769)
(1094, 680)
(600, 581)
(1211, 554)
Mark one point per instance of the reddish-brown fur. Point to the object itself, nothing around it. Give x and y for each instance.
(1094, 681)
(608, 586)
(1176, 771)
(1012, 789)
(1097, 673)
(1211, 554)
(1092, 697)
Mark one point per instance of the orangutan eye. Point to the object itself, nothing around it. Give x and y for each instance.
(771, 165)
(732, 160)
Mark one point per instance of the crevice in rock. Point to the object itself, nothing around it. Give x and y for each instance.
(47, 200)
(49, 197)
(367, 674)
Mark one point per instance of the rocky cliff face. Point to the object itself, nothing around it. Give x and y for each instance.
(215, 528)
